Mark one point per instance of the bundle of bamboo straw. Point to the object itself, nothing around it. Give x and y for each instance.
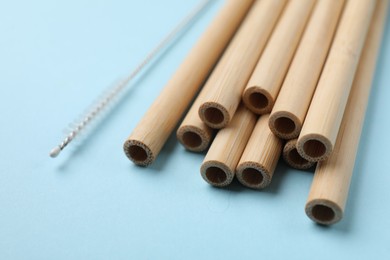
(304, 66)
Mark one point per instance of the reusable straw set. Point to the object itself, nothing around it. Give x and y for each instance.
(271, 79)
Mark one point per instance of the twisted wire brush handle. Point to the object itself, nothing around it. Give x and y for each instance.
(118, 89)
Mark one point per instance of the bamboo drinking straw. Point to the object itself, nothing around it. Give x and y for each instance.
(292, 157)
(225, 85)
(147, 139)
(260, 157)
(263, 87)
(322, 123)
(294, 98)
(329, 190)
(219, 165)
(193, 134)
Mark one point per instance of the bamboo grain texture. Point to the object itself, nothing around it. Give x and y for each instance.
(329, 191)
(263, 87)
(193, 133)
(219, 165)
(322, 123)
(294, 98)
(305, 66)
(149, 136)
(225, 85)
(260, 157)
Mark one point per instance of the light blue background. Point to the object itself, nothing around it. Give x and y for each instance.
(92, 203)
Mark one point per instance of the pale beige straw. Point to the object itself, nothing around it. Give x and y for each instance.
(225, 85)
(329, 190)
(192, 133)
(219, 165)
(263, 87)
(322, 123)
(294, 98)
(149, 136)
(260, 157)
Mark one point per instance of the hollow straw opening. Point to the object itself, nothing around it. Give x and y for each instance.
(296, 158)
(252, 176)
(258, 100)
(284, 125)
(213, 115)
(314, 148)
(137, 153)
(192, 139)
(215, 175)
(323, 213)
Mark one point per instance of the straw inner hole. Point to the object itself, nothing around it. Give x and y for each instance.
(294, 157)
(258, 100)
(284, 125)
(192, 139)
(215, 175)
(314, 148)
(213, 115)
(323, 213)
(252, 176)
(137, 153)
